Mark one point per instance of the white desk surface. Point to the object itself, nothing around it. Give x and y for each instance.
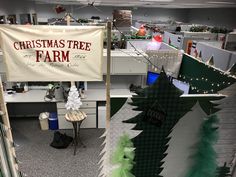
(27, 97)
(100, 94)
(38, 95)
(35, 96)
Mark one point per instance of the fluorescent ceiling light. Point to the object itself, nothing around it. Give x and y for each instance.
(190, 4)
(220, 2)
(156, 0)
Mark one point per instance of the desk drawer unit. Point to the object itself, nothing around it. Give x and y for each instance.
(89, 107)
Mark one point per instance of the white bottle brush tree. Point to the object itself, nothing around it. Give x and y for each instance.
(73, 101)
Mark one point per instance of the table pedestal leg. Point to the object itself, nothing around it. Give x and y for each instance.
(75, 136)
(79, 135)
(76, 126)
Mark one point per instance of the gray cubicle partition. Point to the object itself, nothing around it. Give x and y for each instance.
(203, 35)
(140, 44)
(173, 39)
(222, 58)
(181, 39)
(165, 46)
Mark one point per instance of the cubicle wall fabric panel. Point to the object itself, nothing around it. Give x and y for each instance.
(173, 39)
(203, 78)
(52, 53)
(221, 57)
(170, 60)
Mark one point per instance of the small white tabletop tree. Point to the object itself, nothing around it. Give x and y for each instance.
(73, 101)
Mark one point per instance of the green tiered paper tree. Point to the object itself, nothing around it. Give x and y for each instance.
(205, 164)
(161, 107)
(124, 158)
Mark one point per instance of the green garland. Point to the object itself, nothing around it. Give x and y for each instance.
(124, 157)
(205, 164)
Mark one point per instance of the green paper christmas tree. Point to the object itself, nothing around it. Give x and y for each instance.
(205, 164)
(161, 107)
(124, 158)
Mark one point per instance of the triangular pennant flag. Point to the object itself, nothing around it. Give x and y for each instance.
(210, 61)
(232, 70)
(169, 41)
(162, 69)
(200, 55)
(195, 53)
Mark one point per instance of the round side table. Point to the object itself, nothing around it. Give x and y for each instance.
(76, 118)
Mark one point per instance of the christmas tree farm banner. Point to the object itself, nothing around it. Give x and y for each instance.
(52, 53)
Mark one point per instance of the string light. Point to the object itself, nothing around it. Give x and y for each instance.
(170, 56)
(153, 66)
(204, 80)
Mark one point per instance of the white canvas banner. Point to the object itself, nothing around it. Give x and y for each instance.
(52, 53)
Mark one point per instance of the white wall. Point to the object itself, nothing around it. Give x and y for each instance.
(160, 14)
(47, 11)
(219, 17)
(224, 17)
(10, 7)
(145, 14)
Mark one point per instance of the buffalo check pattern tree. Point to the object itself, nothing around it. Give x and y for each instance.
(161, 107)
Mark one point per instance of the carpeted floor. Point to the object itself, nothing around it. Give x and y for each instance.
(38, 159)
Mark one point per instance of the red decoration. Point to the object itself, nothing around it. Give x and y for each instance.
(60, 9)
(158, 38)
(141, 31)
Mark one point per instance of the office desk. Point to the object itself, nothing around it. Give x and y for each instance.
(32, 96)
(31, 104)
(28, 104)
(37, 96)
(90, 105)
